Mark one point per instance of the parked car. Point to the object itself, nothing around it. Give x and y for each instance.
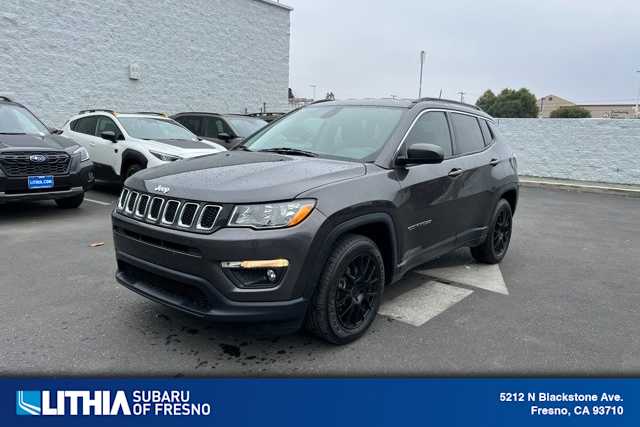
(315, 214)
(38, 164)
(122, 144)
(224, 129)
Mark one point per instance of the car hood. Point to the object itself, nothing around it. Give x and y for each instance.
(35, 142)
(185, 147)
(243, 177)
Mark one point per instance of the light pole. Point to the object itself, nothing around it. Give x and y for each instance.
(314, 91)
(638, 96)
(423, 56)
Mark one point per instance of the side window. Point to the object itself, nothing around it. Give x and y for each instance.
(86, 125)
(193, 123)
(486, 132)
(214, 126)
(468, 135)
(431, 128)
(106, 124)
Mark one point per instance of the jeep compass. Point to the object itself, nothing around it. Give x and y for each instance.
(309, 219)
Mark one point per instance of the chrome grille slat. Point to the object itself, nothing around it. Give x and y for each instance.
(183, 218)
(186, 215)
(168, 209)
(143, 204)
(208, 210)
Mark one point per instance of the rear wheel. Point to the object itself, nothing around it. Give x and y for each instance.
(349, 293)
(70, 202)
(495, 246)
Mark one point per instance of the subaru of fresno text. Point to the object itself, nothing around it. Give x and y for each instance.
(38, 164)
(122, 144)
(314, 215)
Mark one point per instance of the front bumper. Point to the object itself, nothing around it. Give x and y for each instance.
(183, 270)
(77, 182)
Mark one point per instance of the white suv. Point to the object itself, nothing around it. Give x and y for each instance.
(121, 144)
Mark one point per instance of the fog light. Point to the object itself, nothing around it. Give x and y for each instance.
(272, 276)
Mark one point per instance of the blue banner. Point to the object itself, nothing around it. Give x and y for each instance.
(320, 402)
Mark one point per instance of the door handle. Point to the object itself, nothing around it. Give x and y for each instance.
(456, 172)
(494, 162)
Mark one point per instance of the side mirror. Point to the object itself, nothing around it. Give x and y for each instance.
(422, 154)
(109, 135)
(224, 136)
(55, 131)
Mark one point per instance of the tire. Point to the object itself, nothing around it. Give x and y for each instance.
(70, 202)
(349, 292)
(495, 246)
(132, 169)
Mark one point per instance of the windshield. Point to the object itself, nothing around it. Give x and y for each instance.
(350, 132)
(245, 126)
(153, 128)
(18, 120)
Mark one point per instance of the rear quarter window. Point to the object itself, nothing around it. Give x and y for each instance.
(468, 136)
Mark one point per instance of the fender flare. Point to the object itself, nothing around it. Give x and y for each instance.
(130, 155)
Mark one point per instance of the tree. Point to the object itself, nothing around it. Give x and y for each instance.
(570, 112)
(487, 100)
(509, 103)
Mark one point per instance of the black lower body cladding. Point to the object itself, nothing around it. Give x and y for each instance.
(194, 272)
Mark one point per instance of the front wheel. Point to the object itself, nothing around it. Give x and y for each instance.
(495, 246)
(70, 202)
(349, 293)
(132, 170)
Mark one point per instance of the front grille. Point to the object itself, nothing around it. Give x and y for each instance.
(183, 215)
(21, 163)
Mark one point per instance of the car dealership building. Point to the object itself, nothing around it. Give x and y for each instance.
(61, 56)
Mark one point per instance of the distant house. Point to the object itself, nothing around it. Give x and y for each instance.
(614, 111)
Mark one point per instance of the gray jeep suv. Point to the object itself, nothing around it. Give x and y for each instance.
(309, 219)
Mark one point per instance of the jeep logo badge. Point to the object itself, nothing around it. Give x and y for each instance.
(38, 158)
(162, 189)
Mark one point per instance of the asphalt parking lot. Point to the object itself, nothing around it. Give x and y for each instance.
(564, 301)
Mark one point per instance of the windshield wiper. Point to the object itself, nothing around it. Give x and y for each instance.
(240, 147)
(290, 151)
(12, 133)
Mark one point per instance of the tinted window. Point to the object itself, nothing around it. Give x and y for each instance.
(106, 124)
(350, 132)
(488, 137)
(193, 123)
(245, 126)
(214, 126)
(467, 132)
(86, 125)
(431, 128)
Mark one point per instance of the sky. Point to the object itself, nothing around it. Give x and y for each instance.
(582, 50)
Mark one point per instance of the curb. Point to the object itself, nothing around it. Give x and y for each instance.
(586, 186)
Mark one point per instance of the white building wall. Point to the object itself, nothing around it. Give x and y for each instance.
(61, 56)
(605, 150)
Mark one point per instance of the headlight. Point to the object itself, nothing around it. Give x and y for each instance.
(165, 157)
(272, 215)
(83, 153)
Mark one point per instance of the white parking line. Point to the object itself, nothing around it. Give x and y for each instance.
(421, 304)
(99, 202)
(483, 276)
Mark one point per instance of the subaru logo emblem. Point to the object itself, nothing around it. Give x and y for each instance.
(162, 189)
(38, 158)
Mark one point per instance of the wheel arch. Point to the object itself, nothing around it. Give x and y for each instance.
(377, 226)
(129, 157)
(511, 196)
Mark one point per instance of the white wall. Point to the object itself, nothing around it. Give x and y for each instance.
(61, 56)
(602, 150)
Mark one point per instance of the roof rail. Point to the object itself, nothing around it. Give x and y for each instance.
(320, 101)
(150, 113)
(448, 101)
(95, 110)
(5, 98)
